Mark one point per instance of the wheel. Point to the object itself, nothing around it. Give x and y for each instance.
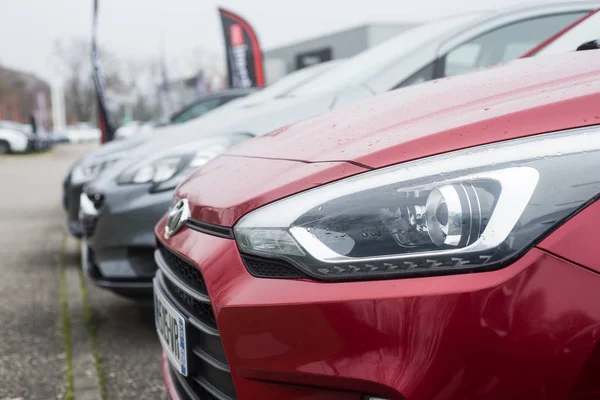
(4, 147)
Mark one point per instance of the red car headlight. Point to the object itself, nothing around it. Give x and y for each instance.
(473, 209)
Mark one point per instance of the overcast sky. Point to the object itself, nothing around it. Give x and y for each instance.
(133, 28)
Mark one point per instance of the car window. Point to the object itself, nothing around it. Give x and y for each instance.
(504, 43)
(586, 30)
(462, 59)
(358, 69)
(423, 75)
(197, 110)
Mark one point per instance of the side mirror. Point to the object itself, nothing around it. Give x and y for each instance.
(591, 45)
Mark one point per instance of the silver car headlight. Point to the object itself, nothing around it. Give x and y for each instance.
(166, 170)
(465, 211)
(86, 172)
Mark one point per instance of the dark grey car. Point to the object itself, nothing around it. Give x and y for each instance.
(96, 161)
(121, 207)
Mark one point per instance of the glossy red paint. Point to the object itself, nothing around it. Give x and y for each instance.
(521, 98)
(523, 332)
(577, 240)
(261, 181)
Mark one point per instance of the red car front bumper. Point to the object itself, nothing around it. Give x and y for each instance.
(523, 332)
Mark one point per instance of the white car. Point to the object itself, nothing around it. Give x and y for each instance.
(129, 129)
(82, 132)
(13, 141)
(14, 137)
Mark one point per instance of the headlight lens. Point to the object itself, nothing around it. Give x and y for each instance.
(468, 210)
(159, 171)
(87, 172)
(167, 170)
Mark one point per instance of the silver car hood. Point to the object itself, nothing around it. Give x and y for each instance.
(256, 120)
(116, 149)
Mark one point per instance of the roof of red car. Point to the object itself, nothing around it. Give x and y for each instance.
(520, 98)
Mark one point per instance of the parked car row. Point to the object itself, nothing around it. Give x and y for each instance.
(19, 138)
(160, 143)
(324, 239)
(82, 132)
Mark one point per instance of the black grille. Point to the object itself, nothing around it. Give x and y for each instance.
(208, 373)
(195, 307)
(189, 274)
(266, 268)
(88, 224)
(211, 229)
(188, 389)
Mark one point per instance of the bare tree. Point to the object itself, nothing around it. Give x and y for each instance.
(212, 64)
(139, 78)
(74, 60)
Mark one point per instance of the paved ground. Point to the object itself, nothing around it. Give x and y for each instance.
(32, 347)
(128, 346)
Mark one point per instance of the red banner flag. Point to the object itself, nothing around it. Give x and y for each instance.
(244, 57)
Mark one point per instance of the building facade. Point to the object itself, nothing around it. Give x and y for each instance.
(23, 95)
(343, 44)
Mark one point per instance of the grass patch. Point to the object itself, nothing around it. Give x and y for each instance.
(89, 322)
(66, 329)
(31, 154)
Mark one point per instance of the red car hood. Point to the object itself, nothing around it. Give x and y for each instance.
(522, 98)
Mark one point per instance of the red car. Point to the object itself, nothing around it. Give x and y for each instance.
(434, 243)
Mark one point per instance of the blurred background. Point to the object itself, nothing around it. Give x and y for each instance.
(145, 45)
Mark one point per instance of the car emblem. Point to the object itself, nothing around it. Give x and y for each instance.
(178, 215)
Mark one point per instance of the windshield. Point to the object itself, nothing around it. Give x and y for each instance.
(198, 109)
(290, 82)
(586, 30)
(363, 66)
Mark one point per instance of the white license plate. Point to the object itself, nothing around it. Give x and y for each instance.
(170, 326)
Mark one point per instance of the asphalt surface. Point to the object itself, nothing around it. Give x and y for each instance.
(129, 348)
(32, 346)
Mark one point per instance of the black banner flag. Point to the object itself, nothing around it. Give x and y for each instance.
(103, 117)
(244, 57)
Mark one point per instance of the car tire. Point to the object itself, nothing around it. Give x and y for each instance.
(4, 147)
